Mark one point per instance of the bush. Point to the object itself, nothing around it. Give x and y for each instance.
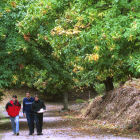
(116, 85)
(100, 88)
(79, 101)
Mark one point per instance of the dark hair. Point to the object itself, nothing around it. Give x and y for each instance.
(14, 96)
(27, 92)
(35, 95)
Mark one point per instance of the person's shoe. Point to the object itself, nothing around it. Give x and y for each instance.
(40, 133)
(14, 134)
(30, 133)
(17, 134)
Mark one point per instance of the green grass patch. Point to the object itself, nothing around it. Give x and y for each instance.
(2, 109)
(4, 120)
(79, 101)
(116, 85)
(70, 117)
(1, 137)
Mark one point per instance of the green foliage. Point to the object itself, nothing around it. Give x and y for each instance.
(56, 45)
(26, 54)
(79, 101)
(100, 88)
(99, 37)
(116, 85)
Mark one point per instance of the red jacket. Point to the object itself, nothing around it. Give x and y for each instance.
(13, 108)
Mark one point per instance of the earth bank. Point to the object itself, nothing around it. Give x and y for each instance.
(120, 106)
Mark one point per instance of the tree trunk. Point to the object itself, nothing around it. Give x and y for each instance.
(65, 101)
(109, 83)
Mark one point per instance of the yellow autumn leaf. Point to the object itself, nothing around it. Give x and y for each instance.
(96, 48)
(1, 15)
(111, 49)
(95, 57)
(52, 33)
(15, 78)
(79, 18)
(131, 38)
(7, 10)
(13, 4)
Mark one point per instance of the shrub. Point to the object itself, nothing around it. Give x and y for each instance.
(100, 88)
(116, 85)
(79, 101)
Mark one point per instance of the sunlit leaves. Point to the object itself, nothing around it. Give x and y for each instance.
(13, 4)
(59, 31)
(70, 38)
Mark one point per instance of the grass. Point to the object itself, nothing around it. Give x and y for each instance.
(2, 109)
(116, 85)
(4, 120)
(70, 117)
(1, 137)
(79, 101)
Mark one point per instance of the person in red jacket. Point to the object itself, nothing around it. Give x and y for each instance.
(13, 107)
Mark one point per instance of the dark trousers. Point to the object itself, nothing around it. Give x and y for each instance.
(30, 119)
(39, 122)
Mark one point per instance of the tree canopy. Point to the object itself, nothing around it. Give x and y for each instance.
(56, 45)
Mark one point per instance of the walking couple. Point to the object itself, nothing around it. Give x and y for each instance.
(33, 109)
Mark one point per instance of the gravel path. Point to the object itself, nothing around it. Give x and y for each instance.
(54, 128)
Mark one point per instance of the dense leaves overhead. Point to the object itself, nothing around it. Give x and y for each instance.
(54, 45)
(103, 36)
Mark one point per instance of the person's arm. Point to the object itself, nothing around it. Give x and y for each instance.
(44, 107)
(23, 106)
(6, 107)
(33, 99)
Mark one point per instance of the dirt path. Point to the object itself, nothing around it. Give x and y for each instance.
(55, 127)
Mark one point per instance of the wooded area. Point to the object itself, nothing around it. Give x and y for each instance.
(57, 45)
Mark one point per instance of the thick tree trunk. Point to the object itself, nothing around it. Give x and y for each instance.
(109, 83)
(65, 101)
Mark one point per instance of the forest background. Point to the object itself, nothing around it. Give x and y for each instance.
(55, 46)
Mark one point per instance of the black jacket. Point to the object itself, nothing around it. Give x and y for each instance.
(37, 105)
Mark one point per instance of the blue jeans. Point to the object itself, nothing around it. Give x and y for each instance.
(15, 123)
(30, 119)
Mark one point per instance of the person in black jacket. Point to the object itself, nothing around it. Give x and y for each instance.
(38, 107)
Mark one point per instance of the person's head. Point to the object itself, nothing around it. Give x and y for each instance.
(28, 94)
(36, 97)
(14, 98)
